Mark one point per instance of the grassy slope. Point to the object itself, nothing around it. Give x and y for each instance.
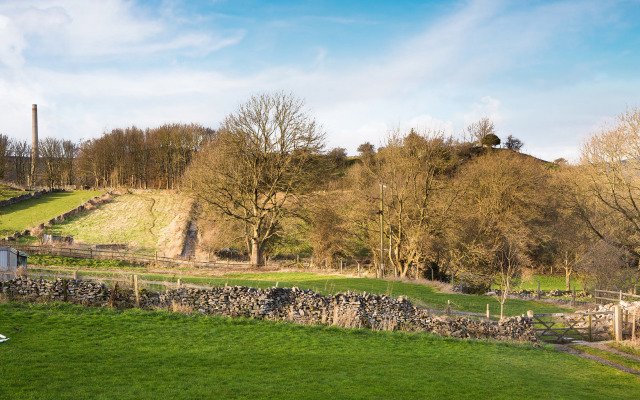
(29, 213)
(143, 221)
(547, 283)
(69, 352)
(422, 295)
(7, 192)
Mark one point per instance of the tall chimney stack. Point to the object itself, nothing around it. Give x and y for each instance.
(34, 144)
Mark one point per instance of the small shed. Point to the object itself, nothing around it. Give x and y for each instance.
(10, 260)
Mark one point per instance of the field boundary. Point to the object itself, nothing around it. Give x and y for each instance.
(112, 254)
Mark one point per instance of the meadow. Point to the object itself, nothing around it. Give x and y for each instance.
(145, 222)
(30, 213)
(65, 351)
(7, 192)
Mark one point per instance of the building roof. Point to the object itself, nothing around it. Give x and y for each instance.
(14, 251)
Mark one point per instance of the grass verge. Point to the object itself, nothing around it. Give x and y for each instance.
(65, 351)
(618, 359)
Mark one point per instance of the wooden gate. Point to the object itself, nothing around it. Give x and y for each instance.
(569, 327)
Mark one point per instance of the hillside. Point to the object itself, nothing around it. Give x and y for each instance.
(145, 222)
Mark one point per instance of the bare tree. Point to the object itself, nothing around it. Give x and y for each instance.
(5, 148)
(607, 187)
(21, 155)
(51, 153)
(480, 129)
(262, 158)
(513, 143)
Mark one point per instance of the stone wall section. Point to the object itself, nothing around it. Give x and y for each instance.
(354, 310)
(26, 196)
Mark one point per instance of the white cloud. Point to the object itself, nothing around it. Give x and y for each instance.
(451, 72)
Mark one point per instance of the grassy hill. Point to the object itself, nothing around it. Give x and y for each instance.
(32, 212)
(144, 222)
(64, 351)
(7, 192)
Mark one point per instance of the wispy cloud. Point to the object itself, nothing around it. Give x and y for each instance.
(480, 58)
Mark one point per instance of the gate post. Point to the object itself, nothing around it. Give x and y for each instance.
(590, 335)
(617, 322)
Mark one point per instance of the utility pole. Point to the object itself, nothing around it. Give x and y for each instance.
(381, 272)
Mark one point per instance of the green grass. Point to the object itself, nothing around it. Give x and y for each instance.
(7, 192)
(626, 349)
(45, 260)
(422, 295)
(144, 222)
(64, 351)
(618, 359)
(30, 213)
(547, 283)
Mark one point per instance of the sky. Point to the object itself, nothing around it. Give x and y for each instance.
(550, 73)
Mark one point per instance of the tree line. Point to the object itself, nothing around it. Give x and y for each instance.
(131, 157)
(422, 204)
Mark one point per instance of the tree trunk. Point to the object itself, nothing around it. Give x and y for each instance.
(256, 252)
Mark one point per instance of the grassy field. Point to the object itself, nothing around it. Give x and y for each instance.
(144, 222)
(547, 283)
(64, 351)
(420, 294)
(29, 213)
(7, 192)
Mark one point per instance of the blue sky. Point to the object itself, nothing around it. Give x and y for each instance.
(548, 72)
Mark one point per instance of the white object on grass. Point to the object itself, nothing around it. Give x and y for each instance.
(3, 338)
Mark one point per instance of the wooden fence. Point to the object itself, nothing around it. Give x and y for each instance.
(111, 254)
(567, 327)
(608, 296)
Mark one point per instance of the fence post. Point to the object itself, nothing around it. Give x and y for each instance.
(341, 265)
(135, 288)
(358, 268)
(538, 292)
(589, 326)
(179, 283)
(633, 327)
(617, 322)
(448, 308)
(488, 315)
(75, 275)
(573, 297)
(621, 295)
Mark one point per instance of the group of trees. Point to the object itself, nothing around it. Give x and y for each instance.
(141, 158)
(129, 157)
(423, 203)
(15, 159)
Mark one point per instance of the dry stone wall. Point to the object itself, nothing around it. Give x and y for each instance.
(296, 305)
(63, 217)
(26, 196)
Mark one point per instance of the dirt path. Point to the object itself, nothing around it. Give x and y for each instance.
(190, 240)
(566, 349)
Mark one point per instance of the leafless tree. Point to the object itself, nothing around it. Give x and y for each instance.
(262, 158)
(5, 149)
(21, 156)
(480, 129)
